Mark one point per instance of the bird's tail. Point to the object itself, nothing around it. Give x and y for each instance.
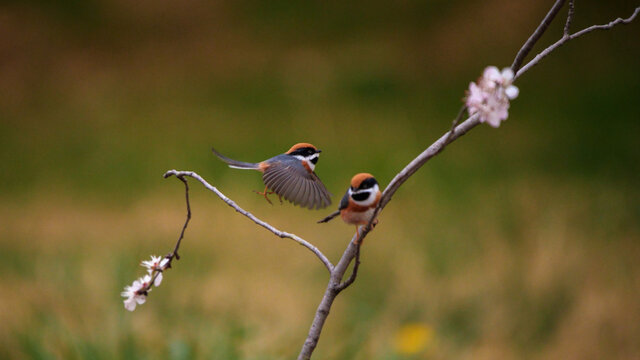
(235, 163)
(330, 217)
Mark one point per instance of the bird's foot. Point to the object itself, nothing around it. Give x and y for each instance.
(265, 193)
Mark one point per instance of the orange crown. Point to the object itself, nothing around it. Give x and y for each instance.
(299, 146)
(357, 179)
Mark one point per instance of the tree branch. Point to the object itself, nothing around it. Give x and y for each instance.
(345, 284)
(173, 254)
(253, 218)
(567, 24)
(607, 26)
(455, 122)
(537, 34)
(566, 38)
(333, 289)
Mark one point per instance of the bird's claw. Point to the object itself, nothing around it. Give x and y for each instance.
(265, 193)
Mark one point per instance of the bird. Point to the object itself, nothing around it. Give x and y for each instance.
(290, 175)
(359, 202)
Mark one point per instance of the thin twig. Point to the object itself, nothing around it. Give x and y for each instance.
(354, 273)
(264, 224)
(455, 122)
(184, 227)
(174, 254)
(573, 36)
(567, 24)
(537, 34)
(433, 150)
(608, 25)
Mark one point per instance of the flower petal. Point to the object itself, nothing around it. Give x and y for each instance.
(130, 304)
(512, 92)
(158, 279)
(507, 75)
(492, 73)
(140, 299)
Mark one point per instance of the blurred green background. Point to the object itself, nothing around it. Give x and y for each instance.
(521, 242)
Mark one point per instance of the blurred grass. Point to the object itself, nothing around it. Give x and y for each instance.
(520, 242)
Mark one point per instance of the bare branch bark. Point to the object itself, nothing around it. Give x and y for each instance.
(537, 34)
(333, 289)
(433, 150)
(567, 24)
(173, 254)
(354, 273)
(455, 123)
(264, 224)
(566, 38)
(607, 26)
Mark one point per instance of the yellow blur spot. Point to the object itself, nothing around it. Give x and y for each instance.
(413, 338)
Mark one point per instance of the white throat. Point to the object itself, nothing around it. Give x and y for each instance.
(308, 159)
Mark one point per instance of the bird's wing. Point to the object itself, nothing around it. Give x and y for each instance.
(345, 201)
(291, 180)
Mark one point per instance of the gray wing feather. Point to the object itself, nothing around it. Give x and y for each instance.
(298, 192)
(289, 179)
(287, 190)
(279, 181)
(324, 197)
(307, 192)
(317, 199)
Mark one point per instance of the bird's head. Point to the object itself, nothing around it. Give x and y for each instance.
(305, 152)
(364, 189)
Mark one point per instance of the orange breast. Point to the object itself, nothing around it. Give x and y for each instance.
(356, 215)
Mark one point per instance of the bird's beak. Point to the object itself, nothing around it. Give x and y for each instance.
(318, 151)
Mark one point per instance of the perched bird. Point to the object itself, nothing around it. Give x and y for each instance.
(290, 175)
(359, 202)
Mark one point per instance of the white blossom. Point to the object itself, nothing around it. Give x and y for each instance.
(135, 294)
(157, 264)
(511, 92)
(490, 96)
(158, 280)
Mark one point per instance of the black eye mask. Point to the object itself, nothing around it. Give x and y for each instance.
(360, 196)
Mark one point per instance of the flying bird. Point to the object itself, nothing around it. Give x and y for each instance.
(290, 175)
